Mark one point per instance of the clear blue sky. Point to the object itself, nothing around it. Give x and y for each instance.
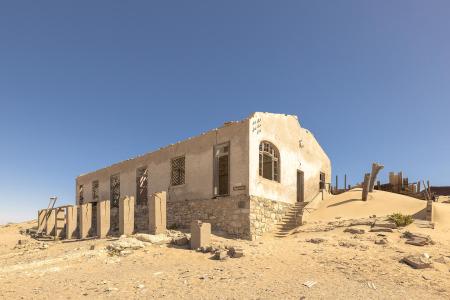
(84, 84)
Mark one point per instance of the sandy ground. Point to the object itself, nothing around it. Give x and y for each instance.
(345, 266)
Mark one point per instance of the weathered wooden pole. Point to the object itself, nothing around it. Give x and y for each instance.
(365, 187)
(376, 167)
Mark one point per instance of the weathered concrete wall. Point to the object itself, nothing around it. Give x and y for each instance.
(199, 160)
(42, 221)
(51, 220)
(157, 213)
(103, 218)
(85, 224)
(227, 214)
(298, 149)
(71, 222)
(126, 215)
(264, 214)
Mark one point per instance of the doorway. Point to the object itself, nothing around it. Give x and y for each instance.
(222, 169)
(300, 186)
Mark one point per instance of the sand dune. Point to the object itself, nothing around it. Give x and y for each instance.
(349, 205)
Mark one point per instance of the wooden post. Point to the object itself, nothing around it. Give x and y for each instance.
(365, 187)
(376, 167)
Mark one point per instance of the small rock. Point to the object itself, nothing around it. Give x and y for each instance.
(220, 255)
(442, 260)
(125, 243)
(315, 240)
(418, 261)
(180, 241)
(158, 239)
(381, 229)
(125, 252)
(92, 247)
(110, 289)
(354, 230)
(207, 249)
(346, 244)
(235, 252)
(22, 242)
(385, 224)
(382, 241)
(417, 239)
(140, 286)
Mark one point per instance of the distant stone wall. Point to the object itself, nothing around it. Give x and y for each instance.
(226, 214)
(264, 214)
(141, 218)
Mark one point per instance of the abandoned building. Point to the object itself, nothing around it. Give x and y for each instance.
(242, 177)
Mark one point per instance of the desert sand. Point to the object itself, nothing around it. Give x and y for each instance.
(342, 265)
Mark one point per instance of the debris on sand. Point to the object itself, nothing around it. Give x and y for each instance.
(235, 252)
(385, 224)
(316, 240)
(354, 230)
(418, 261)
(123, 245)
(27, 245)
(157, 239)
(417, 239)
(380, 229)
(309, 283)
(381, 241)
(220, 254)
(347, 244)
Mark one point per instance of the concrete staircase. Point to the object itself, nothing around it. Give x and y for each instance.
(291, 220)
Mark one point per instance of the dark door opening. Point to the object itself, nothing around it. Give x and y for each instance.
(300, 186)
(221, 169)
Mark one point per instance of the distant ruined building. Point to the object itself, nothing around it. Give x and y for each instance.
(243, 178)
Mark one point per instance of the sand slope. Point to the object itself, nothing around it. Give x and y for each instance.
(349, 205)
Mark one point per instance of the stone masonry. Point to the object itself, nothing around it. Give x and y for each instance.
(227, 214)
(239, 216)
(264, 214)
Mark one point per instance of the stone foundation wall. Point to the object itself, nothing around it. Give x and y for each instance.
(264, 214)
(229, 215)
(141, 218)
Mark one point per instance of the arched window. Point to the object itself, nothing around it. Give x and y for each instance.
(269, 161)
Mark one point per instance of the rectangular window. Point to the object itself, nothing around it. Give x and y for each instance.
(178, 171)
(80, 194)
(114, 190)
(95, 186)
(141, 186)
(322, 181)
(221, 169)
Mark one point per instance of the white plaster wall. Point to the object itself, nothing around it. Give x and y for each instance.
(285, 133)
(198, 152)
